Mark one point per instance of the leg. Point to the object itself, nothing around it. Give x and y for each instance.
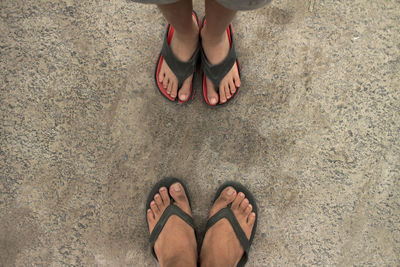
(176, 245)
(216, 47)
(183, 44)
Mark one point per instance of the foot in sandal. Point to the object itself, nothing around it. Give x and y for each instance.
(222, 245)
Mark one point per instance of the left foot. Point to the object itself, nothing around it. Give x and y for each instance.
(177, 240)
(183, 47)
(216, 50)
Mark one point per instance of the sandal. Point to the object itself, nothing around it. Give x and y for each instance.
(228, 214)
(172, 209)
(217, 72)
(182, 70)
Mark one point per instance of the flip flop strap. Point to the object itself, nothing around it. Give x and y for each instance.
(169, 211)
(182, 70)
(217, 72)
(228, 214)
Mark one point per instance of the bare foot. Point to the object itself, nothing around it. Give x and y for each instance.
(216, 50)
(183, 47)
(221, 246)
(176, 242)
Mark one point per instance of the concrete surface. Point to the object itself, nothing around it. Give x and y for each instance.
(314, 132)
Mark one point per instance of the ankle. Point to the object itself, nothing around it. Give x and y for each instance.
(212, 38)
(190, 33)
(187, 37)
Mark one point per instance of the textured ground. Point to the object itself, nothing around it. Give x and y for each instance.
(314, 132)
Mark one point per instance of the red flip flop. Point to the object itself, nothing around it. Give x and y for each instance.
(181, 69)
(217, 72)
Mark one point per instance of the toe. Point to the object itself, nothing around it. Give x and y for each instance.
(239, 198)
(164, 196)
(159, 202)
(150, 219)
(178, 194)
(184, 91)
(225, 198)
(232, 87)
(213, 99)
(211, 93)
(182, 96)
(161, 76)
(236, 79)
(174, 89)
(244, 205)
(222, 96)
(154, 208)
(251, 219)
(165, 83)
(248, 210)
(227, 91)
(169, 87)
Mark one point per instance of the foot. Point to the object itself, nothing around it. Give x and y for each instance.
(221, 246)
(183, 47)
(216, 50)
(177, 241)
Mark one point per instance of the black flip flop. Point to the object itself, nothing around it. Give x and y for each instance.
(172, 209)
(228, 214)
(217, 72)
(181, 69)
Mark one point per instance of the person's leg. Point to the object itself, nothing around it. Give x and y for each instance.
(221, 246)
(216, 47)
(183, 44)
(176, 245)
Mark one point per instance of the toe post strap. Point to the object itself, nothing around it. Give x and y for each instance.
(228, 214)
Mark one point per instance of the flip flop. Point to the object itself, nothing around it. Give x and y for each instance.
(172, 209)
(217, 72)
(181, 69)
(228, 214)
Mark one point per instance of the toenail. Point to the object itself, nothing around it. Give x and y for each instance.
(162, 189)
(177, 188)
(229, 192)
(241, 194)
(183, 96)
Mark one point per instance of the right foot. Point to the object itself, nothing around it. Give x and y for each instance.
(221, 246)
(183, 47)
(216, 50)
(177, 241)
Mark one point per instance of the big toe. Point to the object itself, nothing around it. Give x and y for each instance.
(212, 95)
(225, 198)
(180, 199)
(184, 92)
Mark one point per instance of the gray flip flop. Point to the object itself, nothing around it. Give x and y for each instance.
(217, 72)
(169, 211)
(228, 214)
(181, 69)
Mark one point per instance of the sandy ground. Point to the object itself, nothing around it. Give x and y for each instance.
(314, 132)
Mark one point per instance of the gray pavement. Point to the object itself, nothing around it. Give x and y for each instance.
(314, 132)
